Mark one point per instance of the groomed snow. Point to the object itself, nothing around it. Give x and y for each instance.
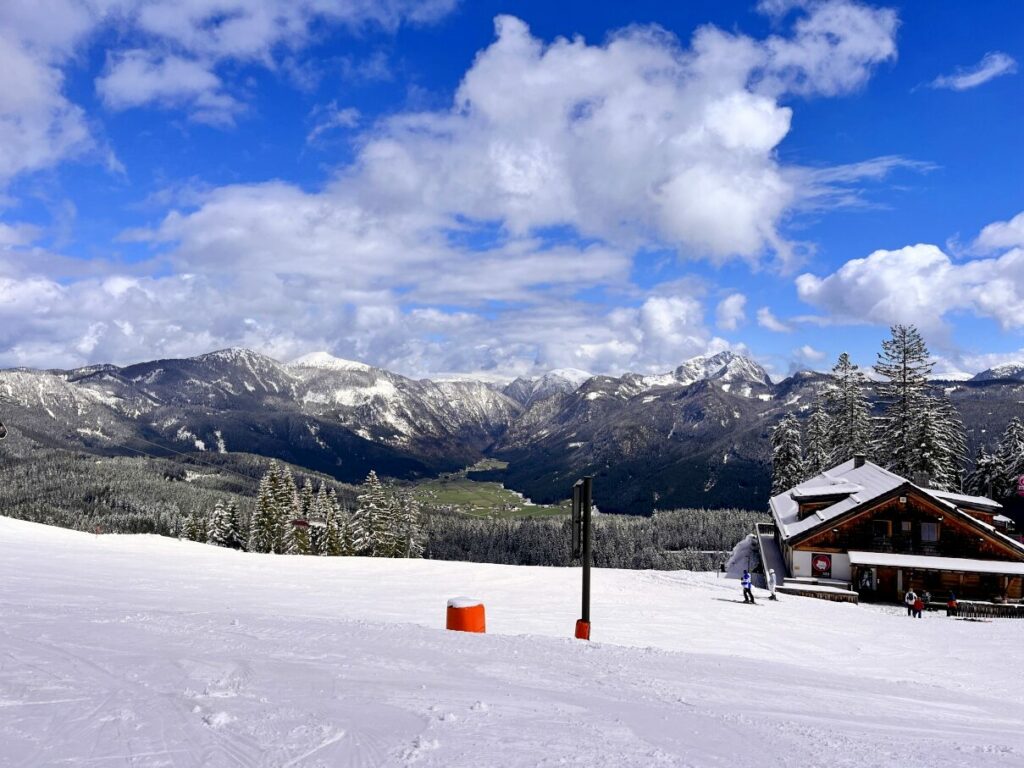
(145, 651)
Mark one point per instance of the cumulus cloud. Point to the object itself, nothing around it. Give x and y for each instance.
(1002, 234)
(920, 284)
(767, 319)
(731, 312)
(39, 127)
(138, 77)
(638, 140)
(992, 65)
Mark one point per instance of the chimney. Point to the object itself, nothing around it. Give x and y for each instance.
(858, 460)
(922, 480)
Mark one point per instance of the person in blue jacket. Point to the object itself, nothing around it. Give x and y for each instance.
(748, 592)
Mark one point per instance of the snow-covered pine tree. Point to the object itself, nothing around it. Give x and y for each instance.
(194, 527)
(318, 517)
(264, 527)
(847, 403)
(374, 521)
(818, 445)
(985, 478)
(410, 536)
(330, 540)
(940, 444)
(286, 503)
(1010, 453)
(306, 498)
(234, 538)
(217, 530)
(904, 363)
(787, 455)
(344, 520)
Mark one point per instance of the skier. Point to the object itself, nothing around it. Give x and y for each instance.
(910, 598)
(771, 584)
(951, 605)
(748, 592)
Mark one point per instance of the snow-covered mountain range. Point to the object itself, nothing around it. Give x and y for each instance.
(694, 436)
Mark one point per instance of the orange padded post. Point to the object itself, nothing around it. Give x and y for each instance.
(582, 630)
(466, 615)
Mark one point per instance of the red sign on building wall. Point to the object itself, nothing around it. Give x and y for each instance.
(821, 566)
(1020, 485)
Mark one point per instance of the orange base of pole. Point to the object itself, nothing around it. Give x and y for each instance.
(582, 630)
(462, 618)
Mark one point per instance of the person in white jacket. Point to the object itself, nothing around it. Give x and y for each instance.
(771, 584)
(910, 598)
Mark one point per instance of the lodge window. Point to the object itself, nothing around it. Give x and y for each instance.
(881, 529)
(906, 526)
(929, 532)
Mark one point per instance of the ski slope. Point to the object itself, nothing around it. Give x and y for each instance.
(146, 651)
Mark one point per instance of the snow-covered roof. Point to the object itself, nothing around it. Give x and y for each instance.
(931, 563)
(964, 499)
(856, 485)
(837, 488)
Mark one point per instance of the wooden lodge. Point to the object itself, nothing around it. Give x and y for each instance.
(878, 534)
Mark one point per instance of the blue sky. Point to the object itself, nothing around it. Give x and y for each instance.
(507, 187)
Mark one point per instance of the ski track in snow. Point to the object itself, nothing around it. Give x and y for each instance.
(145, 651)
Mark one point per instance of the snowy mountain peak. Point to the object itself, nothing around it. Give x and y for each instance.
(574, 376)
(726, 367)
(1004, 371)
(327, 361)
(526, 391)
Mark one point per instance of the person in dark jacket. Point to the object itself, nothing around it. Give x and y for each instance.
(748, 591)
(951, 605)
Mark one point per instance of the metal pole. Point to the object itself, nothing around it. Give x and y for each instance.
(587, 504)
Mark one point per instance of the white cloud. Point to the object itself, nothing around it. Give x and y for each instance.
(992, 65)
(731, 313)
(1002, 234)
(767, 319)
(833, 50)
(39, 127)
(920, 284)
(331, 117)
(809, 353)
(137, 77)
(632, 142)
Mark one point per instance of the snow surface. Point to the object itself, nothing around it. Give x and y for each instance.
(327, 361)
(147, 651)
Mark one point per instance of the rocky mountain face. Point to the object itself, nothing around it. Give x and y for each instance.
(694, 436)
(1006, 371)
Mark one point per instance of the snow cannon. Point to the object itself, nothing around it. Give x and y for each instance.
(466, 615)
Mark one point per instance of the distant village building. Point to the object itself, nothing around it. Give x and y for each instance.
(882, 534)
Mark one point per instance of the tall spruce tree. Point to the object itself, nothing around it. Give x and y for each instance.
(286, 505)
(987, 475)
(847, 403)
(787, 455)
(217, 530)
(904, 364)
(940, 444)
(1010, 455)
(346, 528)
(374, 521)
(319, 516)
(818, 448)
(234, 538)
(410, 536)
(265, 526)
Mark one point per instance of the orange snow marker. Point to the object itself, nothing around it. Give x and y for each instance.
(582, 629)
(466, 615)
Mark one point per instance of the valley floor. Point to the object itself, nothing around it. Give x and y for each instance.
(147, 651)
